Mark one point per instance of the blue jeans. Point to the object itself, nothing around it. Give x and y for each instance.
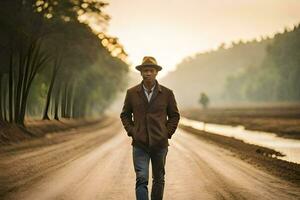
(141, 160)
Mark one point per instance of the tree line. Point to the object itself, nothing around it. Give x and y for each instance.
(276, 78)
(53, 65)
(207, 71)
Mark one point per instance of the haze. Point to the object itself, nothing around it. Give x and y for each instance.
(174, 29)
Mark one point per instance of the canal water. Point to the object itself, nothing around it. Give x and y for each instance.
(289, 147)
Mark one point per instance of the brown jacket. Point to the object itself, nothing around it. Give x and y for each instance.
(153, 123)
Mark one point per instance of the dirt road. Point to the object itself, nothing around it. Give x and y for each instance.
(195, 170)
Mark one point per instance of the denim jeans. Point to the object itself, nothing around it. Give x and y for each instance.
(141, 160)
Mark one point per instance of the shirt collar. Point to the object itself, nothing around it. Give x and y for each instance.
(141, 89)
(151, 88)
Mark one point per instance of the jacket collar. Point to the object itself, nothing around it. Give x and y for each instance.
(141, 89)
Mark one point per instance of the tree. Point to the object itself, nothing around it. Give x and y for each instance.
(204, 100)
(47, 51)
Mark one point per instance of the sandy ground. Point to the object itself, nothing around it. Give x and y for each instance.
(36, 128)
(98, 165)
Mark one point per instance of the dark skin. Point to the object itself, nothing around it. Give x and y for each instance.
(149, 76)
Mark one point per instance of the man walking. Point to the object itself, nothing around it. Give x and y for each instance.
(150, 116)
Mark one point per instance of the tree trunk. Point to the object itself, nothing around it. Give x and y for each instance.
(54, 73)
(69, 100)
(10, 90)
(57, 98)
(5, 95)
(1, 97)
(64, 100)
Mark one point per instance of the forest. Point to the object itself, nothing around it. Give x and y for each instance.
(264, 69)
(277, 78)
(53, 64)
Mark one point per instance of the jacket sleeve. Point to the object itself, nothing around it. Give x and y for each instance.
(173, 115)
(126, 115)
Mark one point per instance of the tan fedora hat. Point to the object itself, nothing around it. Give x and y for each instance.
(149, 61)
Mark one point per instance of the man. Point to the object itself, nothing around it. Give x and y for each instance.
(155, 119)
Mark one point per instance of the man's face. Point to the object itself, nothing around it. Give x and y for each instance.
(149, 74)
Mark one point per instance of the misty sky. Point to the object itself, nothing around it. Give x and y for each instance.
(173, 29)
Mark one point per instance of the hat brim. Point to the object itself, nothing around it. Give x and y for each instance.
(140, 67)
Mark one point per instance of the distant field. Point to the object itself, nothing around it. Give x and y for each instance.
(282, 119)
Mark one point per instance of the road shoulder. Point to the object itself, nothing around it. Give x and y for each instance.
(261, 157)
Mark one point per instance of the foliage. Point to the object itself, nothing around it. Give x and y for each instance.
(277, 78)
(52, 60)
(204, 100)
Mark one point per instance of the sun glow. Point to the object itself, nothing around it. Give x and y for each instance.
(173, 30)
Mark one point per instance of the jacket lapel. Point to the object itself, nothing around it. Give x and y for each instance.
(142, 94)
(154, 95)
(156, 91)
